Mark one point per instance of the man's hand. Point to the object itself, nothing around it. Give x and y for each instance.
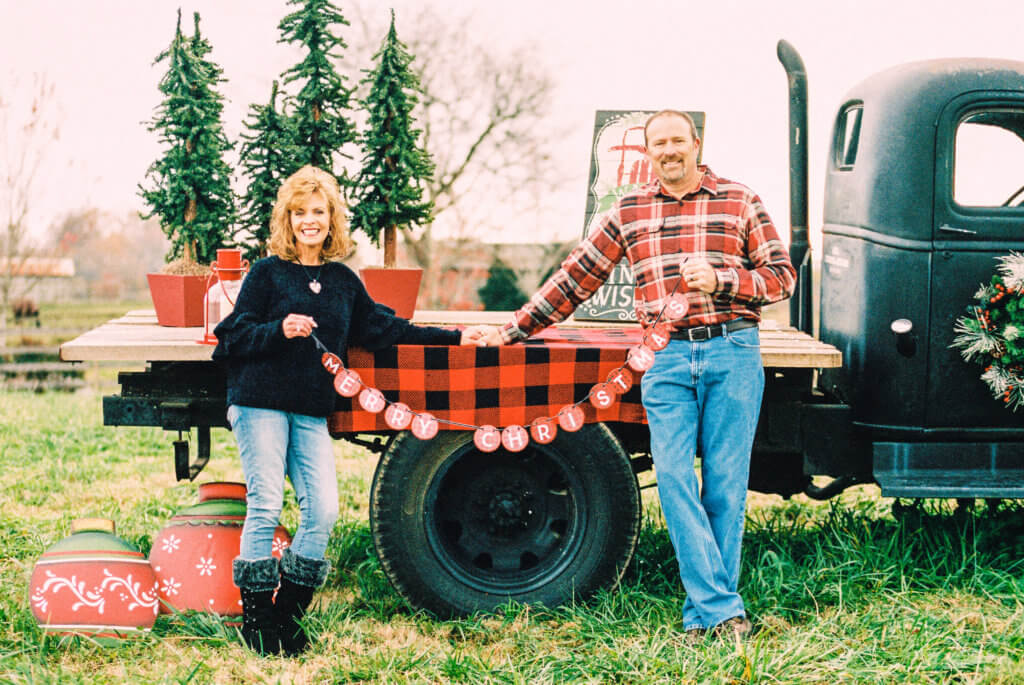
(492, 337)
(477, 335)
(698, 274)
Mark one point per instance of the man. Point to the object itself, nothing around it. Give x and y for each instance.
(703, 394)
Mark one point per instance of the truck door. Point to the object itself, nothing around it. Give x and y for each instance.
(979, 215)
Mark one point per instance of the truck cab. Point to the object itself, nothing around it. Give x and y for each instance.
(923, 192)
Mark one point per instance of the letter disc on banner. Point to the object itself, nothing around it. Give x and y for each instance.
(372, 400)
(620, 381)
(398, 416)
(332, 362)
(543, 430)
(640, 358)
(515, 438)
(601, 396)
(347, 383)
(570, 418)
(424, 426)
(676, 307)
(657, 338)
(487, 438)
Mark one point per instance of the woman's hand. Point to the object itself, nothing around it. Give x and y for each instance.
(480, 335)
(297, 326)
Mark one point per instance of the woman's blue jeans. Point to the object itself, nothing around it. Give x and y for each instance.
(704, 398)
(271, 444)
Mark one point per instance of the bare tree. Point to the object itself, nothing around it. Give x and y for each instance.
(28, 127)
(484, 117)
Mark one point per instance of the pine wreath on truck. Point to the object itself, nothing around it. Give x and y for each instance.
(992, 331)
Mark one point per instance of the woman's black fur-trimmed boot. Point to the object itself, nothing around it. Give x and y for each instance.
(257, 579)
(300, 577)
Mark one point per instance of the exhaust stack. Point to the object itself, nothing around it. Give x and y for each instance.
(801, 314)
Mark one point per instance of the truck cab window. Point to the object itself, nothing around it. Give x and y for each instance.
(847, 136)
(988, 169)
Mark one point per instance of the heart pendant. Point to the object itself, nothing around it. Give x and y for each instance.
(315, 287)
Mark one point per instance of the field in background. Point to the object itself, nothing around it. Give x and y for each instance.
(841, 591)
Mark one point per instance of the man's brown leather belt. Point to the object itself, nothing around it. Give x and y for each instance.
(698, 333)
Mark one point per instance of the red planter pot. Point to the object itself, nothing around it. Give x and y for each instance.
(192, 555)
(93, 583)
(396, 288)
(177, 299)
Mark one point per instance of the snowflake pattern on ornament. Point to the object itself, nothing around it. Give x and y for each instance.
(171, 543)
(206, 566)
(279, 545)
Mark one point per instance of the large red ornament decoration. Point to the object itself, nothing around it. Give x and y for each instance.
(515, 438)
(347, 383)
(570, 418)
(601, 396)
(676, 307)
(657, 338)
(192, 555)
(543, 430)
(620, 381)
(372, 400)
(332, 363)
(93, 583)
(398, 416)
(640, 358)
(487, 438)
(424, 426)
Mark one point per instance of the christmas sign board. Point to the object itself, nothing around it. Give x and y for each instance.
(618, 165)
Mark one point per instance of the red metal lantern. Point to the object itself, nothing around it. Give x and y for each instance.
(220, 298)
(192, 555)
(93, 583)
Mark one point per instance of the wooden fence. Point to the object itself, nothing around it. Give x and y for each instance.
(36, 367)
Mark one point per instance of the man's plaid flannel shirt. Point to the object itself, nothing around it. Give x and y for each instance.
(722, 221)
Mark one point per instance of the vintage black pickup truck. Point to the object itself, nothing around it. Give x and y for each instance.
(922, 193)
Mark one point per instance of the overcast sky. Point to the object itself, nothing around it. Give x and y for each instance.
(718, 57)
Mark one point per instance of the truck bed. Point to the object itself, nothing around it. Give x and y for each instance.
(136, 337)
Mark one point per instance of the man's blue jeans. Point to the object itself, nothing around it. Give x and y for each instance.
(704, 398)
(272, 443)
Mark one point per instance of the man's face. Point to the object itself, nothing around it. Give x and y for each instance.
(672, 149)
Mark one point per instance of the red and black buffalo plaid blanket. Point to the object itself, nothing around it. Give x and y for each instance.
(498, 386)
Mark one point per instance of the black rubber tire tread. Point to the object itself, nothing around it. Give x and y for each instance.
(398, 522)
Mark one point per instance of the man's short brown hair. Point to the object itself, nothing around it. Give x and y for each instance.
(674, 113)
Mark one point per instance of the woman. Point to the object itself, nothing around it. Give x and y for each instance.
(279, 396)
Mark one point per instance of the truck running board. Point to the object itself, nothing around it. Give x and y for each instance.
(950, 470)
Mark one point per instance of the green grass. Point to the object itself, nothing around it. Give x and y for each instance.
(841, 591)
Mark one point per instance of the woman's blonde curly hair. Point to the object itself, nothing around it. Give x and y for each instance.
(295, 191)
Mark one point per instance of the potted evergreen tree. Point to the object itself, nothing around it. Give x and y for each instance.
(267, 157)
(188, 189)
(389, 192)
(316, 120)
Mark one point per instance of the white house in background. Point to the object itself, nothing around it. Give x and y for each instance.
(42, 279)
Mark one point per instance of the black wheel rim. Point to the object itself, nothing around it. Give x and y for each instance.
(505, 523)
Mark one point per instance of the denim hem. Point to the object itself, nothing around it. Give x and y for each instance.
(304, 570)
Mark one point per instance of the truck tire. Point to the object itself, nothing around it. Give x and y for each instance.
(459, 531)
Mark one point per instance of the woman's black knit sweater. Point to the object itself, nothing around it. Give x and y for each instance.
(267, 370)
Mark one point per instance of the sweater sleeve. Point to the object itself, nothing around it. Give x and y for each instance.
(246, 333)
(376, 327)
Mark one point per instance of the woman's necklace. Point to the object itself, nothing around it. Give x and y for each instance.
(314, 281)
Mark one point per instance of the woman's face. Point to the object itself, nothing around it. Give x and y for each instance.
(311, 221)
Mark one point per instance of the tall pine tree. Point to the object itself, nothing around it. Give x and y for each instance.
(389, 190)
(318, 122)
(268, 158)
(190, 186)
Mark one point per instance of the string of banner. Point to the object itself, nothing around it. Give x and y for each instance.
(514, 438)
